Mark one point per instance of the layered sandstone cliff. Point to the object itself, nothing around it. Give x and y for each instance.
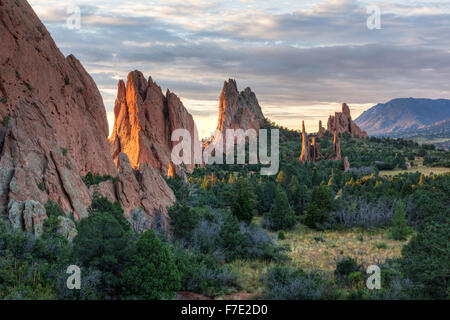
(144, 119)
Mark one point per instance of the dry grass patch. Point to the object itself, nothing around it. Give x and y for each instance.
(315, 250)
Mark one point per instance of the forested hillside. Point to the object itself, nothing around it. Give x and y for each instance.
(307, 233)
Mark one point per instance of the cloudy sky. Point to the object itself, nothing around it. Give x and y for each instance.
(302, 58)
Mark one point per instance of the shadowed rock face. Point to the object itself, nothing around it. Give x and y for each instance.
(144, 119)
(342, 122)
(238, 110)
(34, 165)
(32, 67)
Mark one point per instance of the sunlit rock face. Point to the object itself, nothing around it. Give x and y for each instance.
(144, 120)
(310, 150)
(342, 122)
(32, 67)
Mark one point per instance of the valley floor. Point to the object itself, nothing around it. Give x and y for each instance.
(319, 251)
(418, 167)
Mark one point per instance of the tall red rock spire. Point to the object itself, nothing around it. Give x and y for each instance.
(238, 110)
(305, 145)
(144, 121)
(336, 146)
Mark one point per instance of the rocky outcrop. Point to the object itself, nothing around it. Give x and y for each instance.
(238, 110)
(32, 67)
(310, 150)
(144, 119)
(27, 215)
(144, 190)
(143, 193)
(304, 156)
(67, 228)
(321, 131)
(34, 166)
(336, 147)
(54, 130)
(342, 122)
(346, 164)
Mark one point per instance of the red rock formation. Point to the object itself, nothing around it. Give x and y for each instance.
(342, 122)
(57, 132)
(346, 164)
(304, 156)
(321, 131)
(310, 150)
(31, 66)
(142, 191)
(315, 151)
(238, 110)
(144, 122)
(171, 170)
(35, 166)
(336, 147)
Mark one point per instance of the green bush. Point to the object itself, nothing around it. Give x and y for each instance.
(345, 267)
(93, 179)
(426, 258)
(283, 283)
(355, 278)
(183, 219)
(281, 235)
(151, 272)
(103, 243)
(381, 245)
(203, 274)
(54, 211)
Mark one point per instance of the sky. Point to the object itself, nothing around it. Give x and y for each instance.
(301, 58)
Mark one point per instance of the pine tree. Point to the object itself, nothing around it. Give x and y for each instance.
(281, 215)
(321, 196)
(316, 213)
(151, 272)
(400, 229)
(243, 206)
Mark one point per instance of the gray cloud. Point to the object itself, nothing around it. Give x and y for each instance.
(300, 58)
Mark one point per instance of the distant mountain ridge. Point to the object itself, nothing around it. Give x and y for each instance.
(406, 116)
